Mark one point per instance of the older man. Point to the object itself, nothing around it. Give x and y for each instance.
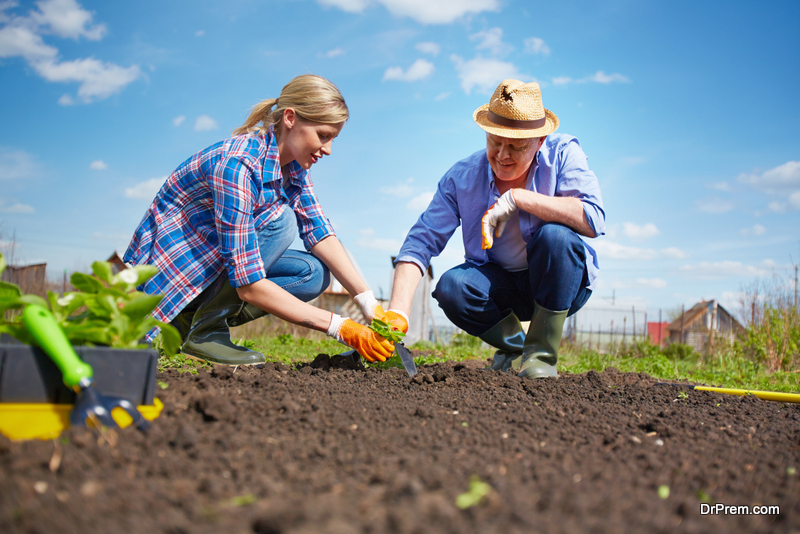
(523, 202)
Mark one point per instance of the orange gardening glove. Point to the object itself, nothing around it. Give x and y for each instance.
(370, 345)
(397, 319)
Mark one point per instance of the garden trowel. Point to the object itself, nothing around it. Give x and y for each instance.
(406, 358)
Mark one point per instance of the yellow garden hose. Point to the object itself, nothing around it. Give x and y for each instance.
(765, 395)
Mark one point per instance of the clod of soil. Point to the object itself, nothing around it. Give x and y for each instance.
(329, 447)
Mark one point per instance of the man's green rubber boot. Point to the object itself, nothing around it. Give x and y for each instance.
(507, 336)
(209, 337)
(540, 352)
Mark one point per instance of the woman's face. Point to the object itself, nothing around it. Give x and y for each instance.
(305, 141)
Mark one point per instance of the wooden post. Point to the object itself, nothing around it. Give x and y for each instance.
(683, 312)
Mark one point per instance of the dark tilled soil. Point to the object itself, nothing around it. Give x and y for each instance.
(339, 450)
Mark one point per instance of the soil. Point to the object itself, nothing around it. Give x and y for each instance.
(326, 447)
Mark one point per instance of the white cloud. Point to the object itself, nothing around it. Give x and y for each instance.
(655, 283)
(602, 77)
(794, 200)
(429, 48)
(204, 123)
(536, 45)
(713, 205)
(721, 269)
(98, 165)
(66, 100)
(673, 253)
(17, 165)
(442, 96)
(18, 39)
(616, 251)
(597, 77)
(781, 179)
(66, 18)
(22, 37)
(15, 208)
(403, 189)
(420, 202)
(491, 40)
(97, 79)
(756, 230)
(419, 70)
(380, 243)
(145, 190)
(334, 52)
(484, 74)
(422, 11)
(177, 121)
(720, 186)
(199, 33)
(635, 231)
(777, 207)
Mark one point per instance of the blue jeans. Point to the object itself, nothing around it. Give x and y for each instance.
(477, 297)
(298, 272)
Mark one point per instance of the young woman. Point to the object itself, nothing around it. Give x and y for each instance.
(220, 228)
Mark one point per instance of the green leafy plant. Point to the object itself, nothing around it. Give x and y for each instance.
(478, 490)
(387, 330)
(106, 310)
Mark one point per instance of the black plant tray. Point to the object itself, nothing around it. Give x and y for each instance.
(28, 375)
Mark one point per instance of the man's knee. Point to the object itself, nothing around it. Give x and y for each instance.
(451, 284)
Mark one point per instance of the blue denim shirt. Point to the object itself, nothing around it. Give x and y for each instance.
(467, 190)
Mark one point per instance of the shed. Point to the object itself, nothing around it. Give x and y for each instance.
(30, 278)
(696, 326)
(116, 262)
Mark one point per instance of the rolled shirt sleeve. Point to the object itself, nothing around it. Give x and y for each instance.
(233, 194)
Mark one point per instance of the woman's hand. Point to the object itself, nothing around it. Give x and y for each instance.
(369, 344)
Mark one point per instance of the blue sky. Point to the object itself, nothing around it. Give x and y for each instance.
(688, 112)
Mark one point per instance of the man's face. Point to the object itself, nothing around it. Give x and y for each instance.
(510, 159)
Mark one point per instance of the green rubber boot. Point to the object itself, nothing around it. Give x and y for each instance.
(247, 312)
(540, 353)
(209, 337)
(508, 337)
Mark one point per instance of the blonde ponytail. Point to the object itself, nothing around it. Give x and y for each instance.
(312, 97)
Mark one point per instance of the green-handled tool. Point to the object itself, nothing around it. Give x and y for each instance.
(91, 404)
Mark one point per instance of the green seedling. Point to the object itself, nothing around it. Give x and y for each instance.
(478, 490)
(683, 395)
(387, 330)
(663, 492)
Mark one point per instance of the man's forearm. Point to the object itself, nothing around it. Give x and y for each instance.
(406, 279)
(564, 210)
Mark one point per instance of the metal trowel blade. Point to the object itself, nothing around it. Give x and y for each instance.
(406, 358)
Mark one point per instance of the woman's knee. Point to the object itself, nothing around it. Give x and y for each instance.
(301, 274)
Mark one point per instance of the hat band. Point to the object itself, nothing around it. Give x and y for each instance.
(513, 123)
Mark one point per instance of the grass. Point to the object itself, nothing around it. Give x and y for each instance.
(675, 363)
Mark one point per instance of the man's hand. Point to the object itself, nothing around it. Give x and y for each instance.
(397, 319)
(494, 220)
(368, 304)
(369, 344)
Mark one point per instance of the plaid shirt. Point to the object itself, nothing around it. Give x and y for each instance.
(206, 216)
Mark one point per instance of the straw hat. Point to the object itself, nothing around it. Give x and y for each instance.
(516, 111)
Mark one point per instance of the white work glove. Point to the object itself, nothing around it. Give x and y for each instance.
(367, 302)
(494, 220)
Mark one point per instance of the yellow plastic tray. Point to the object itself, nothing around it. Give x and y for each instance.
(46, 421)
